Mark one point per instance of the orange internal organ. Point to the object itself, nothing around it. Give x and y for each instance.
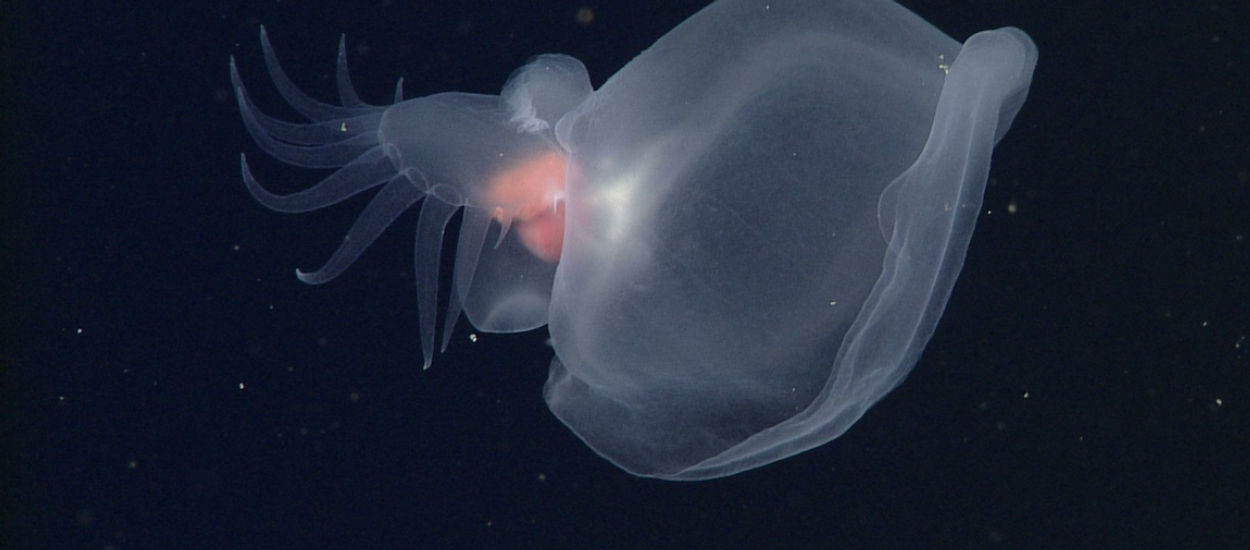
(532, 194)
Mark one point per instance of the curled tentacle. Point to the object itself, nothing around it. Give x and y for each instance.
(431, 225)
(295, 133)
(397, 196)
(301, 102)
(366, 172)
(347, 92)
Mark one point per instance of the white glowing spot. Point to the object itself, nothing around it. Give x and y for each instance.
(633, 195)
(617, 203)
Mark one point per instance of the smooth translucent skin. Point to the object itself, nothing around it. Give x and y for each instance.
(764, 214)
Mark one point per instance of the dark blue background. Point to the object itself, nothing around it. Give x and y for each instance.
(167, 383)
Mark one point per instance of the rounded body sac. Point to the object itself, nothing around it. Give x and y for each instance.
(762, 234)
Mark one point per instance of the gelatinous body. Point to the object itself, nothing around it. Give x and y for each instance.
(740, 242)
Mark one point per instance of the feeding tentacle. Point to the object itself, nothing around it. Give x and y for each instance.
(347, 92)
(366, 172)
(294, 133)
(396, 197)
(431, 224)
(301, 102)
(473, 228)
(310, 153)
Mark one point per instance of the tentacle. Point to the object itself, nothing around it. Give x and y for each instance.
(396, 197)
(473, 228)
(431, 224)
(347, 92)
(301, 102)
(366, 172)
(330, 155)
(505, 225)
(399, 90)
(317, 133)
